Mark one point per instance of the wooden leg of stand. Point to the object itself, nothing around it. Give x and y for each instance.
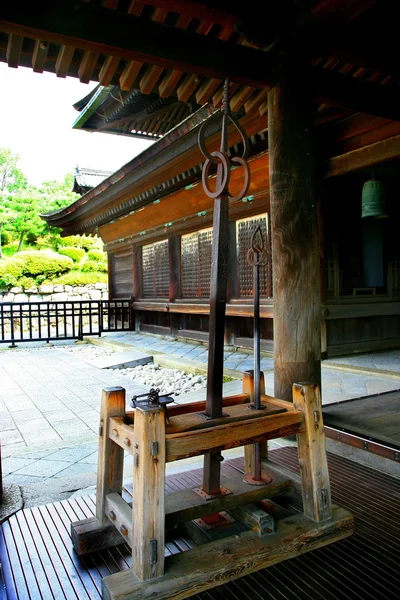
(247, 388)
(312, 453)
(149, 491)
(111, 456)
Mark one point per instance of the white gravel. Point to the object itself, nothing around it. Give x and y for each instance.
(167, 380)
(151, 375)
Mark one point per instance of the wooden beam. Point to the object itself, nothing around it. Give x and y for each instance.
(148, 500)
(294, 226)
(206, 566)
(129, 75)
(368, 156)
(13, 52)
(222, 437)
(149, 79)
(87, 66)
(64, 60)
(340, 12)
(39, 56)
(97, 29)
(108, 70)
(196, 10)
(312, 453)
(111, 457)
(358, 95)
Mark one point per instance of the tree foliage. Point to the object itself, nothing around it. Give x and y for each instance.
(21, 204)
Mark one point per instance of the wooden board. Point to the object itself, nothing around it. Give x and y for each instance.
(374, 417)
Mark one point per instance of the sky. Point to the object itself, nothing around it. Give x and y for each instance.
(36, 117)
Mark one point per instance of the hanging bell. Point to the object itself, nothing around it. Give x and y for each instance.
(373, 200)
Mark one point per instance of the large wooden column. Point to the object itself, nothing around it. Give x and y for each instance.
(294, 219)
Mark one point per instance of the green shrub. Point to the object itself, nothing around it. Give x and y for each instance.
(10, 271)
(5, 237)
(79, 278)
(43, 262)
(75, 253)
(90, 265)
(89, 243)
(73, 241)
(97, 255)
(27, 283)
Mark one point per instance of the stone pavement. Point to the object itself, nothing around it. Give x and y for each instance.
(49, 403)
(342, 378)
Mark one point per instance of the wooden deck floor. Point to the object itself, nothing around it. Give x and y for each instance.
(374, 417)
(39, 563)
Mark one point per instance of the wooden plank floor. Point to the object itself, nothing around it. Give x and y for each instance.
(39, 563)
(374, 417)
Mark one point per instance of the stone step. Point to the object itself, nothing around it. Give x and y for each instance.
(121, 359)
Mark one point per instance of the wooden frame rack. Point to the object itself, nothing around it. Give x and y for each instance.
(253, 537)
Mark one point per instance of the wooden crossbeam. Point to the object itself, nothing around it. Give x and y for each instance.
(232, 435)
(222, 561)
(181, 506)
(358, 95)
(367, 156)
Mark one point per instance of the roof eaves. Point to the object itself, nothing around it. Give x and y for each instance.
(91, 107)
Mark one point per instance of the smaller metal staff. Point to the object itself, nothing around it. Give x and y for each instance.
(256, 257)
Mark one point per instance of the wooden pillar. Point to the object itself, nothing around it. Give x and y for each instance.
(294, 219)
(148, 503)
(111, 456)
(312, 453)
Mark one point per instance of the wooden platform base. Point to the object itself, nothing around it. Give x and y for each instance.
(221, 561)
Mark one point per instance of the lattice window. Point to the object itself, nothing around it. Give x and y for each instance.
(155, 270)
(196, 264)
(244, 232)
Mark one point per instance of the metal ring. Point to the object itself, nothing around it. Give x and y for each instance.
(241, 161)
(225, 177)
(243, 135)
(253, 261)
(201, 140)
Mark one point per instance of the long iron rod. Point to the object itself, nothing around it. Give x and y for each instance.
(256, 378)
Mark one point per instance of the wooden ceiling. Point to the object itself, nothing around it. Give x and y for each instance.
(184, 49)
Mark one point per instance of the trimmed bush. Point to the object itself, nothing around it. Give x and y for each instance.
(90, 265)
(5, 237)
(79, 278)
(43, 262)
(89, 243)
(27, 283)
(10, 271)
(75, 253)
(97, 255)
(73, 241)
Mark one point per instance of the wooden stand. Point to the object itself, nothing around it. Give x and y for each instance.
(259, 538)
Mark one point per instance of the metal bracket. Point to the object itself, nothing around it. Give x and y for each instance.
(223, 519)
(206, 417)
(153, 552)
(223, 491)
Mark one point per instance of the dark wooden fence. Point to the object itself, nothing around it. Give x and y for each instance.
(45, 321)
